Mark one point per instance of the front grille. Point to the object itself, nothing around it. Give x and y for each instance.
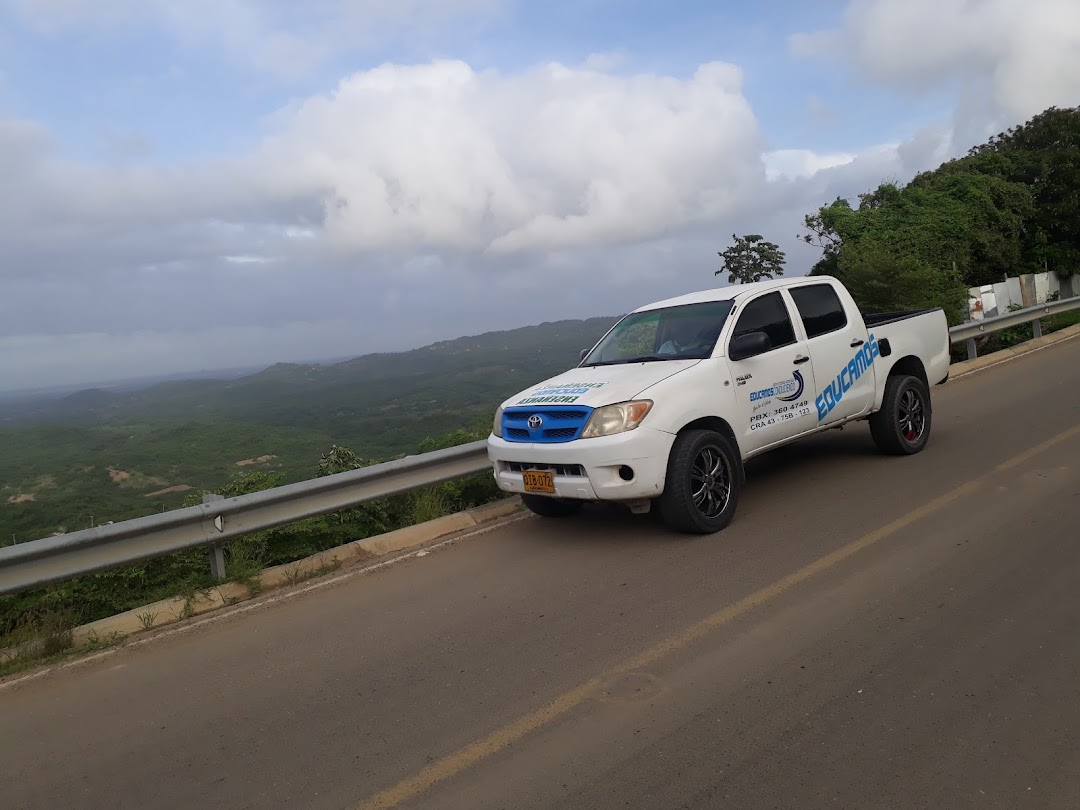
(562, 433)
(555, 424)
(568, 414)
(565, 470)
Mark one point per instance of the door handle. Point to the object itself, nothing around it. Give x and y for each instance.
(801, 359)
(856, 342)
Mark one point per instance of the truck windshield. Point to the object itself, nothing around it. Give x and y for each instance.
(687, 332)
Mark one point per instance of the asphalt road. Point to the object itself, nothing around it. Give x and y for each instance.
(870, 632)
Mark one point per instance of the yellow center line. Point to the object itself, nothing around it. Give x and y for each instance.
(466, 757)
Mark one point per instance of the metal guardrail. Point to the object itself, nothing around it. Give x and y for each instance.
(967, 332)
(217, 520)
(54, 559)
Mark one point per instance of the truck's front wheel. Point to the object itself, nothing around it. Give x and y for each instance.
(902, 426)
(702, 487)
(550, 507)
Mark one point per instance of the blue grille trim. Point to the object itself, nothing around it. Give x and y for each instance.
(559, 423)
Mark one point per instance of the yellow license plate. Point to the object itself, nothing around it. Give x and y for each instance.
(539, 481)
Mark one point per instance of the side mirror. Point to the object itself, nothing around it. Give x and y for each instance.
(582, 355)
(749, 345)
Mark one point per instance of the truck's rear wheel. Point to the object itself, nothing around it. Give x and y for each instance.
(550, 507)
(902, 426)
(702, 487)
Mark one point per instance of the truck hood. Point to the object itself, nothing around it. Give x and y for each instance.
(599, 385)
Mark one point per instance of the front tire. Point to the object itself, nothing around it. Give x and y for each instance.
(902, 426)
(550, 507)
(702, 488)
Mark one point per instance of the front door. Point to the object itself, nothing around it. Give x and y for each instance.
(774, 389)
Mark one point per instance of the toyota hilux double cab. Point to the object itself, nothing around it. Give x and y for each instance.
(668, 406)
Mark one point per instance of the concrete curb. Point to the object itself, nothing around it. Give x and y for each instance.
(970, 366)
(175, 609)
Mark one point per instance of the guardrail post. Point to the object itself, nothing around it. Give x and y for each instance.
(1036, 328)
(972, 351)
(217, 551)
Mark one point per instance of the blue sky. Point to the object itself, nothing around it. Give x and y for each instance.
(230, 182)
(101, 89)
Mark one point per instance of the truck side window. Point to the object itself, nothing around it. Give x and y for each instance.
(767, 314)
(820, 309)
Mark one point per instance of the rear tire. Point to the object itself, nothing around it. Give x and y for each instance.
(703, 481)
(902, 426)
(550, 507)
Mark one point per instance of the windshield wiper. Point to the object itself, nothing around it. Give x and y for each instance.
(647, 358)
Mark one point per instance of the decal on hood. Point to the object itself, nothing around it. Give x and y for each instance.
(595, 388)
(559, 393)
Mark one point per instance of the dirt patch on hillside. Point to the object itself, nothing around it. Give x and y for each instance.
(136, 480)
(248, 462)
(167, 490)
(20, 498)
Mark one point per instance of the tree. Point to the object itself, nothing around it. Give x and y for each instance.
(372, 517)
(1043, 154)
(880, 280)
(948, 229)
(751, 259)
(339, 460)
(834, 223)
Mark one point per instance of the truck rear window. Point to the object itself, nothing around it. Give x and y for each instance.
(820, 309)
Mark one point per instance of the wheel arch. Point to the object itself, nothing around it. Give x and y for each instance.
(910, 365)
(722, 427)
(907, 365)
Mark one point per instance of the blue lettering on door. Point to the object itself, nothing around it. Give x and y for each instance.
(830, 397)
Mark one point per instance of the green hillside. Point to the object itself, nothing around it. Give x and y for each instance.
(96, 455)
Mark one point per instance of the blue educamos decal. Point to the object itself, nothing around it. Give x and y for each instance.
(791, 389)
(798, 392)
(830, 397)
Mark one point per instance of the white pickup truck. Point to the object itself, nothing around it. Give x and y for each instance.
(678, 394)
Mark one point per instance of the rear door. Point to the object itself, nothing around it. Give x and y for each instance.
(842, 358)
(773, 389)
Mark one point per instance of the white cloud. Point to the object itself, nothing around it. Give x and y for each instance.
(791, 164)
(438, 155)
(411, 203)
(1023, 55)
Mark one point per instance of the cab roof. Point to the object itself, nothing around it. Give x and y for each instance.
(731, 292)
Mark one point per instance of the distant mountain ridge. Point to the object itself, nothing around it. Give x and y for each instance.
(488, 363)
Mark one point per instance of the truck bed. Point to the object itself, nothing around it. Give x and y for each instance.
(922, 333)
(881, 318)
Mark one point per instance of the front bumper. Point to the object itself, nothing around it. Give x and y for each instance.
(588, 469)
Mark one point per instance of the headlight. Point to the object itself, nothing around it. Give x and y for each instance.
(613, 419)
(496, 428)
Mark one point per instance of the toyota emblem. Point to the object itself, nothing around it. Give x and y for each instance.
(535, 422)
